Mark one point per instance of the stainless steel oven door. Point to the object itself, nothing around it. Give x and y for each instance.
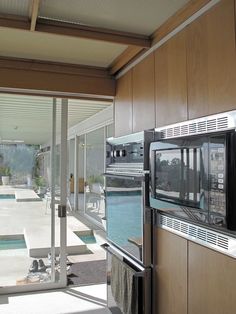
(128, 219)
(128, 284)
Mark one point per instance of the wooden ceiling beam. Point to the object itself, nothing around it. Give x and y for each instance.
(178, 18)
(123, 59)
(14, 21)
(34, 13)
(51, 78)
(75, 30)
(89, 32)
(54, 67)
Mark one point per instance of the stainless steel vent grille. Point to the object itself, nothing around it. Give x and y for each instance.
(199, 126)
(212, 239)
(222, 123)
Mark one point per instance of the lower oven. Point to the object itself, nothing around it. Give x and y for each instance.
(128, 284)
(128, 218)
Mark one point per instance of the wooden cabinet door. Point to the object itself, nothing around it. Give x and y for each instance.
(170, 81)
(123, 105)
(211, 281)
(143, 95)
(211, 61)
(170, 273)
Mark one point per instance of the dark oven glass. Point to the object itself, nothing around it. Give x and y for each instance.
(124, 213)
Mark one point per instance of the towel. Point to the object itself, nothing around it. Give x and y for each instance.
(123, 286)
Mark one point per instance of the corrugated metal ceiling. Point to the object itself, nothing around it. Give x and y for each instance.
(29, 118)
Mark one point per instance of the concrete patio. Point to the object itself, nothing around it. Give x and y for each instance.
(31, 219)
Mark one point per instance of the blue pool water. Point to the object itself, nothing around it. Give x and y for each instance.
(124, 217)
(12, 243)
(7, 196)
(87, 239)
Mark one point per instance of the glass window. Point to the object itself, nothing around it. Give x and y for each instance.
(95, 153)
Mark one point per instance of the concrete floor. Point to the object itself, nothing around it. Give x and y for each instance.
(86, 299)
(31, 219)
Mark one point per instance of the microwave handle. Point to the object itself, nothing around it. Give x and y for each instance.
(152, 173)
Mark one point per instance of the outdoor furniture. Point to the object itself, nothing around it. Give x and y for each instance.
(96, 195)
(48, 199)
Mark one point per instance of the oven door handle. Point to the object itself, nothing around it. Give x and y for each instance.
(123, 258)
(126, 176)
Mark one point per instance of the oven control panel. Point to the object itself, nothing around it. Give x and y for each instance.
(217, 198)
(125, 153)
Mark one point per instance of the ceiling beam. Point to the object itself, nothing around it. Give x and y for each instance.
(89, 32)
(54, 79)
(34, 6)
(75, 30)
(178, 18)
(123, 59)
(54, 67)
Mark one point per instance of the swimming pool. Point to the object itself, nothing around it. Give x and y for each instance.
(7, 196)
(12, 242)
(86, 238)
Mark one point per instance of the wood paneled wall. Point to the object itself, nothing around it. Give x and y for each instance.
(143, 95)
(190, 278)
(192, 75)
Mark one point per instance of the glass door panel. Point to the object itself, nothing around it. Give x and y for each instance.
(94, 190)
(30, 191)
(81, 173)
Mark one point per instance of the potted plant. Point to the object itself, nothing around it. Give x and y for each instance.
(5, 173)
(40, 184)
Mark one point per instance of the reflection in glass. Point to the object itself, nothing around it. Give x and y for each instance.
(94, 185)
(124, 213)
(178, 174)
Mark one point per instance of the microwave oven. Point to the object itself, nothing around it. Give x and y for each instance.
(193, 170)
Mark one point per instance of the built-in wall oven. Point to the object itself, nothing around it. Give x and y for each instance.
(128, 222)
(193, 170)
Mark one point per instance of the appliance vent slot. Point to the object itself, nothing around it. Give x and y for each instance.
(211, 125)
(223, 242)
(222, 123)
(169, 223)
(192, 128)
(184, 129)
(163, 133)
(194, 233)
(201, 234)
(163, 220)
(184, 228)
(169, 132)
(211, 238)
(177, 225)
(202, 127)
(177, 131)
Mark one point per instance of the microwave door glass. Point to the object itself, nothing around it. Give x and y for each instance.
(178, 176)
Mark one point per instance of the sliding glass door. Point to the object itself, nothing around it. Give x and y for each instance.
(33, 193)
(94, 186)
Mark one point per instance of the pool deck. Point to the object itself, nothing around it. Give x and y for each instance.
(26, 196)
(34, 221)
